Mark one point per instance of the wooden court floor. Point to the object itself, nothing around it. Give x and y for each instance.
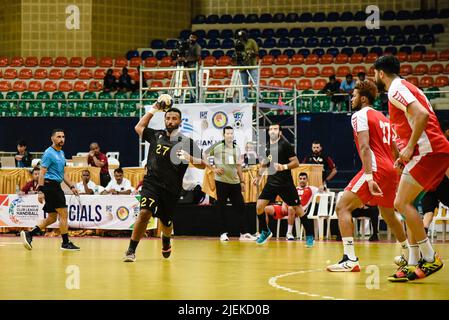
(205, 268)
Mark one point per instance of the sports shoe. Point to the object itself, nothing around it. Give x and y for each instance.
(425, 268)
(401, 274)
(130, 256)
(166, 248)
(374, 237)
(27, 238)
(69, 246)
(345, 265)
(290, 236)
(400, 261)
(264, 237)
(224, 237)
(309, 241)
(247, 237)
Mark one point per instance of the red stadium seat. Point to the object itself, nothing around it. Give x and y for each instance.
(297, 59)
(166, 62)
(61, 62)
(289, 83)
(25, 74)
(413, 80)
(415, 56)
(311, 59)
(266, 73)
(16, 62)
(356, 58)
(312, 72)
(402, 56)
(156, 84)
(304, 84)
(421, 69)
(371, 57)
(147, 75)
(116, 73)
(297, 72)
(370, 72)
(215, 83)
(224, 61)
(40, 74)
(99, 74)
(65, 86)
(275, 83)
(90, 62)
(4, 62)
(134, 74)
(150, 62)
(209, 61)
(10, 74)
(444, 55)
(342, 71)
(135, 62)
(121, 62)
(319, 84)
(281, 60)
(76, 62)
(326, 59)
(95, 86)
(35, 86)
(281, 72)
(267, 60)
(262, 83)
(327, 71)
(436, 68)
(5, 86)
(405, 70)
(219, 74)
(105, 62)
(341, 58)
(441, 81)
(70, 74)
(430, 56)
(426, 82)
(446, 69)
(85, 74)
(80, 86)
(31, 62)
(46, 62)
(358, 69)
(19, 86)
(50, 86)
(160, 75)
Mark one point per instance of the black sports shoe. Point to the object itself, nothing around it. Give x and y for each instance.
(374, 237)
(69, 247)
(27, 238)
(166, 248)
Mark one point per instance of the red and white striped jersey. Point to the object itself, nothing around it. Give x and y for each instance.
(380, 136)
(306, 194)
(400, 95)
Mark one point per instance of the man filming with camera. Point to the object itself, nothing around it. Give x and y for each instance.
(246, 53)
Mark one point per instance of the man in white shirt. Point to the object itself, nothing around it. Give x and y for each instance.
(85, 186)
(118, 185)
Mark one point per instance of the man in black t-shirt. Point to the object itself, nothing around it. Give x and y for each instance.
(318, 157)
(168, 158)
(280, 159)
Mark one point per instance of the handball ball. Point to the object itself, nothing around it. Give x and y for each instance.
(165, 102)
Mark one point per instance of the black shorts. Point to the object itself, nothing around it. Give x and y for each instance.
(54, 196)
(159, 201)
(288, 194)
(431, 199)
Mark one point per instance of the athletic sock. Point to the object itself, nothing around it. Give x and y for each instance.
(36, 230)
(65, 238)
(405, 249)
(308, 225)
(348, 247)
(426, 249)
(413, 255)
(289, 228)
(262, 222)
(132, 245)
(165, 242)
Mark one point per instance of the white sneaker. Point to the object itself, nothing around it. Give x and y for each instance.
(224, 237)
(247, 237)
(345, 265)
(400, 261)
(290, 236)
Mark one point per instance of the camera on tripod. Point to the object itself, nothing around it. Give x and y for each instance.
(239, 52)
(180, 53)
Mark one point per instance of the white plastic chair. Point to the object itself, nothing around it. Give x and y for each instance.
(297, 226)
(325, 207)
(443, 216)
(115, 155)
(364, 221)
(35, 162)
(333, 216)
(113, 162)
(82, 154)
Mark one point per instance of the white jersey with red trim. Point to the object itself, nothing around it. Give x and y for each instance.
(400, 95)
(380, 136)
(306, 194)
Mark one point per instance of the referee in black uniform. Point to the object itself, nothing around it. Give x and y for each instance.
(51, 175)
(168, 158)
(280, 159)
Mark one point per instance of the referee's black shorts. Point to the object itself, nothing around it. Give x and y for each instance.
(54, 196)
(287, 193)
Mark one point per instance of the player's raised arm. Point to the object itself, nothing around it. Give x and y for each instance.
(145, 120)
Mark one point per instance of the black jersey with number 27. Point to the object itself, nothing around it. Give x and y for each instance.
(165, 168)
(279, 152)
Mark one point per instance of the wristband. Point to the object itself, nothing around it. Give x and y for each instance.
(369, 176)
(285, 167)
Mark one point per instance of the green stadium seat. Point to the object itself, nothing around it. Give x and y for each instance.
(305, 103)
(43, 95)
(52, 110)
(98, 109)
(58, 95)
(82, 109)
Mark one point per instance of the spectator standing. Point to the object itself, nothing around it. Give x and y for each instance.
(23, 157)
(347, 86)
(330, 89)
(318, 157)
(98, 159)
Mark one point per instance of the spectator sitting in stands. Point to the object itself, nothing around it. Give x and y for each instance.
(109, 82)
(361, 76)
(23, 157)
(31, 186)
(250, 156)
(125, 83)
(330, 89)
(85, 186)
(347, 86)
(118, 185)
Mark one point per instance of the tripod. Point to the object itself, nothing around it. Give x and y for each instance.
(179, 94)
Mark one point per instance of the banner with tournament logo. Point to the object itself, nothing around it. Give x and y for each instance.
(85, 212)
(204, 124)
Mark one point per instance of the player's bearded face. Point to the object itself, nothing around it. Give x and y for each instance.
(379, 82)
(172, 121)
(274, 133)
(58, 139)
